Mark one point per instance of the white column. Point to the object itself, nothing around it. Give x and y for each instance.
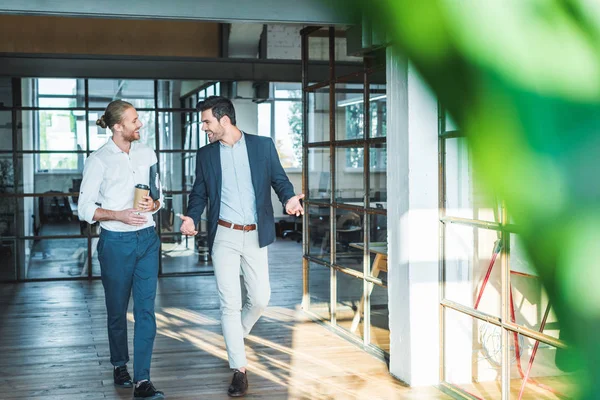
(413, 233)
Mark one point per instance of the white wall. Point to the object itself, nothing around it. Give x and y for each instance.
(284, 42)
(413, 285)
(246, 111)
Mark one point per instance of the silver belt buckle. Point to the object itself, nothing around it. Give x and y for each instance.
(244, 227)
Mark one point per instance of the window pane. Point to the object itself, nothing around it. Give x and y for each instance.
(55, 130)
(464, 196)
(318, 115)
(318, 55)
(6, 92)
(174, 204)
(95, 261)
(140, 93)
(171, 176)
(530, 300)
(51, 86)
(7, 174)
(54, 258)
(318, 241)
(473, 355)
(59, 102)
(378, 177)
(32, 179)
(189, 171)
(180, 131)
(172, 93)
(349, 176)
(47, 163)
(181, 253)
(177, 204)
(378, 246)
(380, 329)
(288, 90)
(319, 290)
(349, 118)
(264, 118)
(288, 133)
(8, 212)
(349, 303)
(378, 106)
(6, 130)
(319, 186)
(98, 135)
(210, 91)
(470, 253)
(548, 376)
(148, 131)
(51, 215)
(51, 92)
(8, 263)
(349, 239)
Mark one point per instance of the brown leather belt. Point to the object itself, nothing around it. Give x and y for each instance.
(245, 228)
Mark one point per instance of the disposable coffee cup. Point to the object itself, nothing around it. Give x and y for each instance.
(140, 192)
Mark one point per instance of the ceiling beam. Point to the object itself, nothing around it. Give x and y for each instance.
(238, 69)
(307, 12)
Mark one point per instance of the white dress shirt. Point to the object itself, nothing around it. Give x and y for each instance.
(109, 179)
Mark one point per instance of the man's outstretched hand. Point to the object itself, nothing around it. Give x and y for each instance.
(188, 227)
(293, 206)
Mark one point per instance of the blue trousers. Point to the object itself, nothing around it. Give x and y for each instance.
(129, 260)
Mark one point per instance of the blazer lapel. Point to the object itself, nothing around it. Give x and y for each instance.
(253, 157)
(215, 162)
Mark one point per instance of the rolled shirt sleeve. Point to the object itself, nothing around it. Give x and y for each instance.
(89, 192)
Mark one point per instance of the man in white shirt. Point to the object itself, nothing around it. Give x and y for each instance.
(128, 248)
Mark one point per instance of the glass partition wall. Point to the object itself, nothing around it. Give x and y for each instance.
(344, 179)
(500, 337)
(47, 130)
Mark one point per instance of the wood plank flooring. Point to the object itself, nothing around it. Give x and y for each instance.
(54, 345)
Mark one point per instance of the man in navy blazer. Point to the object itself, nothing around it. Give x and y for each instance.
(234, 175)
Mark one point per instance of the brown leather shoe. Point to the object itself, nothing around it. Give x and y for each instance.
(239, 384)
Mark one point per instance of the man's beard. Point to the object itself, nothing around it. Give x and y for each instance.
(130, 137)
(216, 136)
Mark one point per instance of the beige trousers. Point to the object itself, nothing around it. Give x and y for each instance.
(234, 251)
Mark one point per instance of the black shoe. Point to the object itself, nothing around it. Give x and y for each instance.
(239, 384)
(121, 377)
(147, 391)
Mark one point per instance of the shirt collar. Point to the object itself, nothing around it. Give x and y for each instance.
(239, 142)
(115, 149)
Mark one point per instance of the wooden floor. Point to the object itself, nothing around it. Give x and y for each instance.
(54, 345)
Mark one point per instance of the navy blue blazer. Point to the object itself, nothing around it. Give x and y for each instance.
(266, 172)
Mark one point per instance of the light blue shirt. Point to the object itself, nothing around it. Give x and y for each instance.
(238, 201)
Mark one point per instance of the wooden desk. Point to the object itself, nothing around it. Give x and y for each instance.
(379, 264)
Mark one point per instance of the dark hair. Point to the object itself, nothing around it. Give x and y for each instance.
(113, 113)
(221, 106)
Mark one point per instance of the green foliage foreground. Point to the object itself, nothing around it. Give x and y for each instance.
(522, 80)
